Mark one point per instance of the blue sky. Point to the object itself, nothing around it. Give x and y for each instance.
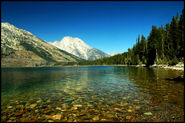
(111, 26)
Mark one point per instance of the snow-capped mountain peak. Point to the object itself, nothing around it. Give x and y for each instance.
(79, 48)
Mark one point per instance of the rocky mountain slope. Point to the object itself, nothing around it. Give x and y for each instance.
(77, 47)
(22, 48)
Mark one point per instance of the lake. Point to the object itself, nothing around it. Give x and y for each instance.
(91, 93)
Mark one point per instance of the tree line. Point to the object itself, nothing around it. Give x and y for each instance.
(164, 45)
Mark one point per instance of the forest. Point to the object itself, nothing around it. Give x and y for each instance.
(164, 45)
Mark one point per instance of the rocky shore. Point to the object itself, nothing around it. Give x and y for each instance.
(179, 66)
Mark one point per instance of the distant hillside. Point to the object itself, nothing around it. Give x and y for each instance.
(79, 48)
(21, 48)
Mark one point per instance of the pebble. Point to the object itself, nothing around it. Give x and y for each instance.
(96, 118)
(124, 98)
(148, 113)
(137, 107)
(36, 111)
(9, 121)
(23, 119)
(74, 108)
(48, 117)
(9, 106)
(12, 118)
(20, 106)
(103, 120)
(165, 97)
(33, 117)
(89, 105)
(39, 101)
(77, 105)
(152, 104)
(118, 109)
(136, 100)
(130, 107)
(70, 120)
(128, 117)
(58, 108)
(129, 110)
(68, 100)
(56, 117)
(33, 105)
(123, 104)
(50, 120)
(18, 114)
(3, 117)
(109, 115)
(48, 101)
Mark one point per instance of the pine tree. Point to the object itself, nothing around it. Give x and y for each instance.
(174, 37)
(167, 41)
(152, 46)
(181, 29)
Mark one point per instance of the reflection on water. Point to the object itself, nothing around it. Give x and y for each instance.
(96, 93)
(153, 82)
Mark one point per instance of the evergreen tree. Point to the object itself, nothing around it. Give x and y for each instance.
(181, 31)
(174, 37)
(152, 46)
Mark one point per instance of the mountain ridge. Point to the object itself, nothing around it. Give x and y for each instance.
(21, 48)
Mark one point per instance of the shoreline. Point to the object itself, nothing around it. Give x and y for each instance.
(178, 67)
(174, 67)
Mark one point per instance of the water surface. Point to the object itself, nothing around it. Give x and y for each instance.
(94, 93)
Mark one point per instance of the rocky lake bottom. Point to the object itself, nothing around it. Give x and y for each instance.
(89, 94)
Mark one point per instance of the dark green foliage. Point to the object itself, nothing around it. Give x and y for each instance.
(181, 36)
(164, 45)
(174, 61)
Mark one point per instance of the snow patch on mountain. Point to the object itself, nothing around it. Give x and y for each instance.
(113, 53)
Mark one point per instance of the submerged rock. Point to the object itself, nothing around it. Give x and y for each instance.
(137, 107)
(39, 101)
(48, 117)
(57, 117)
(58, 108)
(9, 107)
(20, 106)
(77, 105)
(68, 100)
(50, 120)
(36, 111)
(123, 104)
(136, 100)
(18, 114)
(129, 110)
(48, 101)
(96, 118)
(128, 117)
(33, 105)
(148, 113)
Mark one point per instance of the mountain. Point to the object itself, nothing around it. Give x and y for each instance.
(22, 48)
(112, 53)
(77, 47)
